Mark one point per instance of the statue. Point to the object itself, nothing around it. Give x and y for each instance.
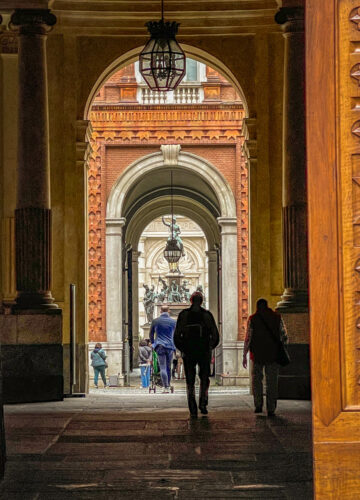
(149, 302)
(174, 233)
(174, 292)
(185, 291)
(163, 294)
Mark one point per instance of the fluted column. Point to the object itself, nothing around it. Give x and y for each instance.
(33, 213)
(295, 296)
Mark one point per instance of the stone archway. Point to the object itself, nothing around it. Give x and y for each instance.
(218, 219)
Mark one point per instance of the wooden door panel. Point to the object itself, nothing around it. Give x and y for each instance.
(333, 149)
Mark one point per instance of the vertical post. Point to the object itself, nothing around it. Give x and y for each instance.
(73, 346)
(72, 337)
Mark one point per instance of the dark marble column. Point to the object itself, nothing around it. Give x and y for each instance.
(295, 296)
(33, 213)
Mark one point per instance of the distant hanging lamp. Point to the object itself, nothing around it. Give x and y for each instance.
(162, 60)
(172, 252)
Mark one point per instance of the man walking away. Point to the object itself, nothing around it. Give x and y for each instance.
(196, 335)
(265, 330)
(163, 327)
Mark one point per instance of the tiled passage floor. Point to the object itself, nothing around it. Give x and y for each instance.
(139, 446)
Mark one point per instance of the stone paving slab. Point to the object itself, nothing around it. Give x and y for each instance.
(135, 447)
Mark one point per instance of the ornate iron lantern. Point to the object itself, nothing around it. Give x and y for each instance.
(162, 60)
(172, 252)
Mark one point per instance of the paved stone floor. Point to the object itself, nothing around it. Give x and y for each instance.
(114, 445)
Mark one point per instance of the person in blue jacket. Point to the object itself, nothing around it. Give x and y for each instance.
(98, 357)
(162, 340)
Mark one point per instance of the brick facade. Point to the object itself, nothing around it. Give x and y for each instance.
(124, 131)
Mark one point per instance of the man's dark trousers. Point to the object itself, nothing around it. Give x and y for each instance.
(190, 362)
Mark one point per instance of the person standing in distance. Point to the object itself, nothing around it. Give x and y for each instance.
(98, 357)
(196, 335)
(265, 330)
(163, 328)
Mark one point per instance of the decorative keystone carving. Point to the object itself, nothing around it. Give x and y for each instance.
(170, 153)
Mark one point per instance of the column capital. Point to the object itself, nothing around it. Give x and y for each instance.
(228, 225)
(32, 21)
(135, 255)
(114, 226)
(291, 18)
(212, 255)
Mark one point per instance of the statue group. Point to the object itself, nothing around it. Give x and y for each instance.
(173, 293)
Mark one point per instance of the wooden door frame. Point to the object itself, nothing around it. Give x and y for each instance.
(333, 173)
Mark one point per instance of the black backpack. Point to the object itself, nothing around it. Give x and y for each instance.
(195, 334)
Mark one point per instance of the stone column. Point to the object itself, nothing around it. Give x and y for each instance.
(295, 296)
(294, 380)
(114, 295)
(232, 372)
(213, 282)
(33, 213)
(135, 300)
(33, 330)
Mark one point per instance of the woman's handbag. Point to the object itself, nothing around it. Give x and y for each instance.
(283, 358)
(106, 365)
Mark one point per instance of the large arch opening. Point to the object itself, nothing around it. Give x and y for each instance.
(199, 130)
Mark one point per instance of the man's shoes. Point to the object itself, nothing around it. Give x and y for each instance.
(96, 387)
(271, 414)
(203, 410)
(258, 409)
(166, 390)
(193, 415)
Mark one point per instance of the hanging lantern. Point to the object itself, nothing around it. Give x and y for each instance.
(172, 252)
(162, 60)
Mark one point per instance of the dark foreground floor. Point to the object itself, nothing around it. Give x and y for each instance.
(112, 446)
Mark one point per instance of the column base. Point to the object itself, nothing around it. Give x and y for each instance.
(32, 357)
(293, 301)
(294, 379)
(33, 301)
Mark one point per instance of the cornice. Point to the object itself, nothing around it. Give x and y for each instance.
(167, 107)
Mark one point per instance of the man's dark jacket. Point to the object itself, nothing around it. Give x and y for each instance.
(182, 337)
(263, 345)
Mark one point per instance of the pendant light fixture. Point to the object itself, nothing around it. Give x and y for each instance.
(172, 252)
(162, 60)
